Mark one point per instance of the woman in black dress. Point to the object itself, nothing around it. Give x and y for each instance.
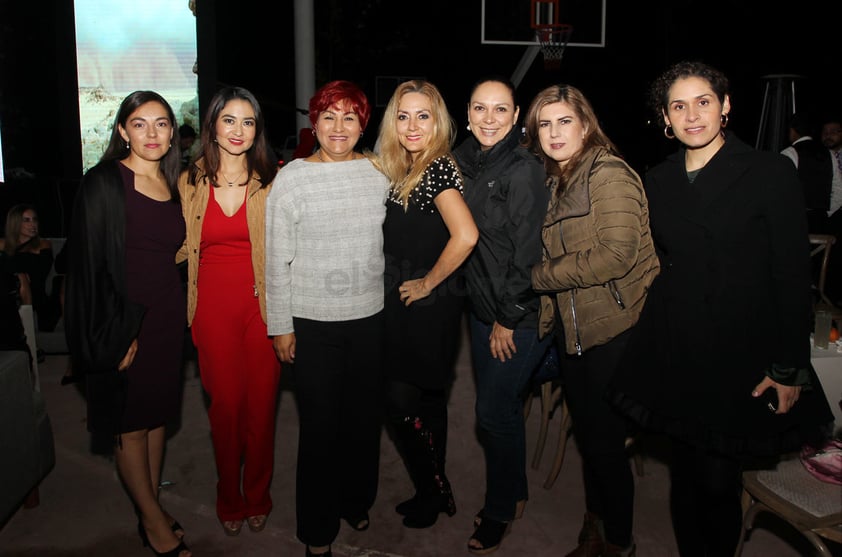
(25, 252)
(428, 234)
(125, 304)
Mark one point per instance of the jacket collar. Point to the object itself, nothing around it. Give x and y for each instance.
(575, 200)
(476, 158)
(717, 177)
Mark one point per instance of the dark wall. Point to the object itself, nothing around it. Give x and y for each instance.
(250, 43)
(38, 109)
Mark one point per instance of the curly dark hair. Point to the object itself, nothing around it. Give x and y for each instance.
(660, 88)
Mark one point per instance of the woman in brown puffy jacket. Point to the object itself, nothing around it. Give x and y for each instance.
(598, 263)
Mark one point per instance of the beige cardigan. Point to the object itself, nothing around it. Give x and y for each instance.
(194, 203)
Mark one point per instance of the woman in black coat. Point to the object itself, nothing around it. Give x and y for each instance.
(125, 304)
(725, 332)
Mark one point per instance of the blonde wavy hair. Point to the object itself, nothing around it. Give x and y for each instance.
(393, 160)
(14, 220)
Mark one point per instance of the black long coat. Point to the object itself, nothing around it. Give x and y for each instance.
(732, 300)
(100, 320)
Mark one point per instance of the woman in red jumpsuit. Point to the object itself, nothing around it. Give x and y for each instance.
(223, 197)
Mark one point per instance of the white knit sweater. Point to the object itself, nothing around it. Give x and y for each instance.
(324, 243)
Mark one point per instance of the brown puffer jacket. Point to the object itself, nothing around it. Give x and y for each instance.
(599, 259)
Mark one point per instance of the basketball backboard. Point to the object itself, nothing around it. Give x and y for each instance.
(509, 22)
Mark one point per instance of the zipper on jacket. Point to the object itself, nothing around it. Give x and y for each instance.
(578, 342)
(616, 293)
(575, 322)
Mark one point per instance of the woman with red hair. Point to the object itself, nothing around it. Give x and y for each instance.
(324, 293)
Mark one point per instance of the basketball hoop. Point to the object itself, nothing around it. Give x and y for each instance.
(553, 38)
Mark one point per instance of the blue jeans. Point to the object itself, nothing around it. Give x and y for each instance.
(499, 409)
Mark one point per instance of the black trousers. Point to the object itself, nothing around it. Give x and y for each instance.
(338, 375)
(705, 501)
(601, 436)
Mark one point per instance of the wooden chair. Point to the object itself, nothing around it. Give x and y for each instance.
(811, 506)
(552, 399)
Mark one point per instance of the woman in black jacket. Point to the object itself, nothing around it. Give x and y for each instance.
(720, 358)
(504, 189)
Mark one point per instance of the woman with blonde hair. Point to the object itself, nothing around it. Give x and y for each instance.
(598, 263)
(25, 253)
(428, 234)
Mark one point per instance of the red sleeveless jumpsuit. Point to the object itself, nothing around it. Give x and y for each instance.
(238, 366)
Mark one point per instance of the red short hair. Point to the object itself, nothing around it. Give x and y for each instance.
(335, 92)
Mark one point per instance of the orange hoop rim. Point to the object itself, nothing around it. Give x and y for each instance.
(545, 31)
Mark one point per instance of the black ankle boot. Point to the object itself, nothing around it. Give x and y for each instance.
(409, 506)
(427, 508)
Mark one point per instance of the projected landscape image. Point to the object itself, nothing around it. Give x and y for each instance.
(148, 45)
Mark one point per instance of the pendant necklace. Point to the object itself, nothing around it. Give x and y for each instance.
(230, 181)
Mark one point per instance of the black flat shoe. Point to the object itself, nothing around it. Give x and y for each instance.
(489, 534)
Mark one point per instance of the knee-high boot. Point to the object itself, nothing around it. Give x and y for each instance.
(425, 462)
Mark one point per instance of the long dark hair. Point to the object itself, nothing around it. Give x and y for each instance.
(259, 159)
(118, 149)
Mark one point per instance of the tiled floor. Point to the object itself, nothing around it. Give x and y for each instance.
(84, 511)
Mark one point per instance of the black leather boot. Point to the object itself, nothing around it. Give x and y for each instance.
(425, 462)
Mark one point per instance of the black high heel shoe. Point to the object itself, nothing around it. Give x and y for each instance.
(488, 535)
(174, 552)
(141, 531)
(176, 528)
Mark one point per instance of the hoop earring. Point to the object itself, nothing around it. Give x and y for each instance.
(668, 132)
(724, 119)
